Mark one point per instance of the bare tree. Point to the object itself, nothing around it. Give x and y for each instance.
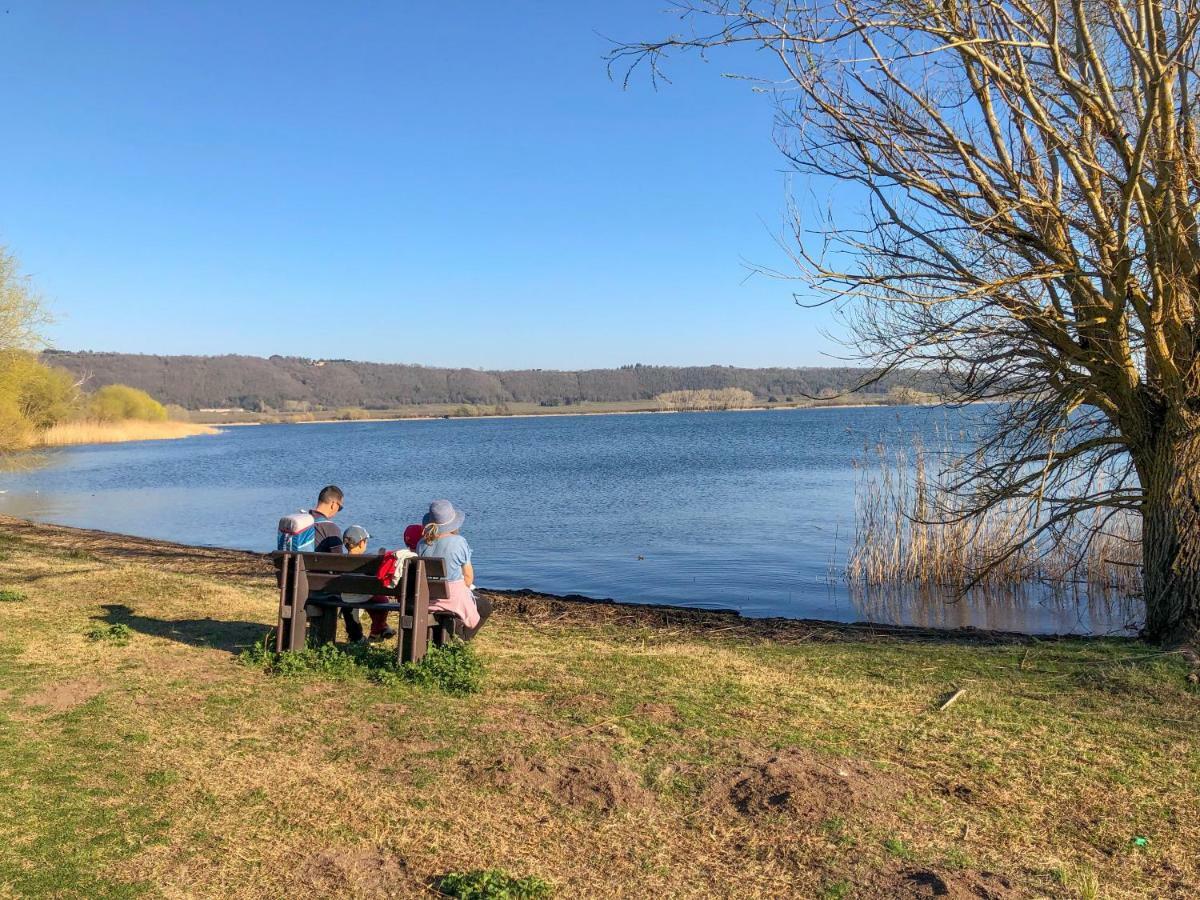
(1031, 175)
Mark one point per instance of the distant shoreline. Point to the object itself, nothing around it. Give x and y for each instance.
(569, 412)
(176, 430)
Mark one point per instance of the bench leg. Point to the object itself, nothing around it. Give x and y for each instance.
(292, 623)
(414, 641)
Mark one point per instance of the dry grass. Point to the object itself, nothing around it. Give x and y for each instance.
(71, 433)
(909, 530)
(596, 756)
(705, 400)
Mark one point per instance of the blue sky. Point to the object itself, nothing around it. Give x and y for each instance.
(447, 184)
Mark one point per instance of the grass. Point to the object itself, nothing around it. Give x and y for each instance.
(897, 848)
(836, 890)
(117, 633)
(492, 884)
(71, 433)
(597, 756)
(455, 669)
(7, 596)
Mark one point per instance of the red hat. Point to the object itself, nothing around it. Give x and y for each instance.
(412, 534)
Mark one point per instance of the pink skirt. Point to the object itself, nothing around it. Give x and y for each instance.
(460, 602)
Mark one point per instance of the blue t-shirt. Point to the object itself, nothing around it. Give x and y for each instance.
(453, 548)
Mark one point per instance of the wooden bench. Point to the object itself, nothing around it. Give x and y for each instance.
(309, 589)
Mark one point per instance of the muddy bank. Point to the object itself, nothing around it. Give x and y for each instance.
(528, 605)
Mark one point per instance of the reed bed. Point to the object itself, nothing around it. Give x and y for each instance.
(68, 434)
(911, 529)
(704, 401)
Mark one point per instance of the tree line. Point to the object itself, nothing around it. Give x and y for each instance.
(285, 383)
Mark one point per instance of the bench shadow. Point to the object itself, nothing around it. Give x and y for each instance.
(231, 637)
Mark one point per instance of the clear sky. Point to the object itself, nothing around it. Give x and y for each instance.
(442, 183)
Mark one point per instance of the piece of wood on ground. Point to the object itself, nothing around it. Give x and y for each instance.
(952, 699)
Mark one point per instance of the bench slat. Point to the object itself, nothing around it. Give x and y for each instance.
(330, 603)
(333, 562)
(344, 563)
(321, 583)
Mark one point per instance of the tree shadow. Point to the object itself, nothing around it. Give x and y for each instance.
(231, 637)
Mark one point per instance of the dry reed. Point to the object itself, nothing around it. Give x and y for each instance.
(71, 433)
(912, 529)
(704, 401)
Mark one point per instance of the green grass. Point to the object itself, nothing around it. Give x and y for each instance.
(836, 890)
(492, 884)
(117, 633)
(151, 759)
(455, 668)
(897, 848)
(66, 813)
(7, 596)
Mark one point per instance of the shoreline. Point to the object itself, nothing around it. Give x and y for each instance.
(566, 414)
(85, 433)
(255, 568)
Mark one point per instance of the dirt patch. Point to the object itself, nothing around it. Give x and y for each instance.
(599, 783)
(389, 710)
(589, 778)
(508, 719)
(365, 872)
(802, 785)
(65, 695)
(959, 791)
(581, 706)
(918, 884)
(658, 713)
(513, 769)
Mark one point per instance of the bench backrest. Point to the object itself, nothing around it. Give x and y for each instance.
(306, 575)
(341, 573)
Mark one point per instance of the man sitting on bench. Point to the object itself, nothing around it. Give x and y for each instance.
(330, 502)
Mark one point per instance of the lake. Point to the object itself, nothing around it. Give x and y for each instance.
(746, 510)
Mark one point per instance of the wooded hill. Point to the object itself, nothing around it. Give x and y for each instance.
(287, 383)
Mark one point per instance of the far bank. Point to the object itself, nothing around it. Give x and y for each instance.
(509, 410)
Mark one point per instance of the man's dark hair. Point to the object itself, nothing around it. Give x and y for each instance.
(330, 493)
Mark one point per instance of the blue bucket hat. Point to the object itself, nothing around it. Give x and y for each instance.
(443, 514)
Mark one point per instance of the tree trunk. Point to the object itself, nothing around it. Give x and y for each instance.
(1171, 540)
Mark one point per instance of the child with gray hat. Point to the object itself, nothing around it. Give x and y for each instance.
(355, 539)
